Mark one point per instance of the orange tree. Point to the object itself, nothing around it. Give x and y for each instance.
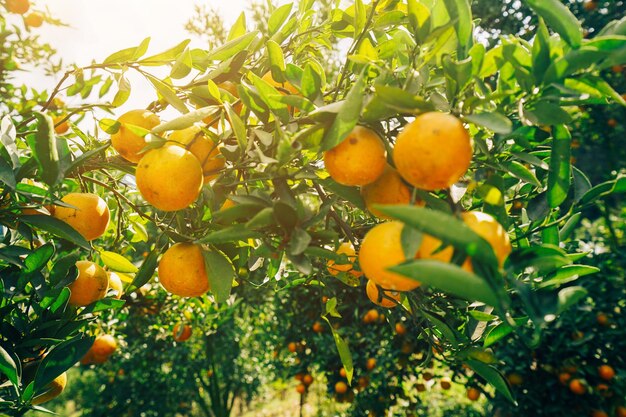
(266, 185)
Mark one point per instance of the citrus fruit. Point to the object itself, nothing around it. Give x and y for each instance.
(89, 214)
(347, 249)
(34, 20)
(489, 229)
(307, 380)
(128, 143)
(389, 300)
(370, 364)
(473, 394)
(301, 388)
(433, 152)
(203, 148)
(445, 383)
(104, 345)
(381, 248)
(341, 387)
(400, 329)
(115, 284)
(180, 335)
(602, 319)
(170, 177)
(17, 6)
(371, 316)
(620, 411)
(599, 413)
(358, 160)
(90, 285)
(388, 189)
(292, 347)
(343, 373)
(284, 88)
(577, 387)
(182, 271)
(606, 372)
(52, 390)
(60, 124)
(318, 327)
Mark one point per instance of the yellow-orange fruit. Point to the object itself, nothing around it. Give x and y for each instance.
(473, 394)
(104, 345)
(577, 387)
(370, 364)
(60, 125)
(620, 411)
(371, 316)
(400, 330)
(489, 229)
(307, 380)
(115, 284)
(182, 271)
(342, 372)
(301, 389)
(318, 327)
(17, 6)
(127, 143)
(381, 249)
(203, 148)
(228, 203)
(292, 347)
(34, 19)
(89, 215)
(359, 159)
(433, 152)
(599, 413)
(347, 249)
(284, 88)
(341, 387)
(180, 335)
(52, 390)
(389, 300)
(170, 177)
(90, 285)
(606, 372)
(388, 189)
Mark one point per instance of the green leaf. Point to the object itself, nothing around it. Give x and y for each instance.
(123, 91)
(229, 235)
(496, 122)
(520, 171)
(44, 146)
(7, 177)
(239, 127)
(443, 328)
(188, 119)
(56, 227)
(569, 296)
(347, 193)
(450, 278)
(61, 358)
(232, 47)
(277, 59)
(128, 54)
(604, 189)
(347, 117)
(166, 56)
(560, 174)
(182, 66)
(568, 273)
(541, 51)
(493, 377)
(278, 17)
(299, 241)
(221, 272)
(146, 271)
(559, 18)
(8, 367)
(117, 262)
(497, 333)
(238, 29)
(38, 259)
(168, 93)
(344, 352)
(461, 13)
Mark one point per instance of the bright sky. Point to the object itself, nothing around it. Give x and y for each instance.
(100, 27)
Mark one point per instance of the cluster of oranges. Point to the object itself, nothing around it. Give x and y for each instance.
(571, 378)
(431, 153)
(33, 19)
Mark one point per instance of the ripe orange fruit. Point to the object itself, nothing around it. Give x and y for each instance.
(52, 390)
(292, 347)
(599, 413)
(342, 372)
(603, 389)
(445, 383)
(307, 380)
(180, 335)
(371, 316)
(115, 284)
(515, 379)
(612, 122)
(370, 364)
(284, 88)
(358, 160)
(299, 376)
(17, 6)
(34, 19)
(389, 300)
(347, 249)
(341, 387)
(602, 319)
(433, 152)
(127, 143)
(60, 126)
(90, 285)
(182, 271)
(473, 394)
(400, 329)
(380, 249)
(301, 388)
(89, 215)
(590, 5)
(564, 377)
(620, 411)
(363, 382)
(203, 148)
(228, 203)
(387, 189)
(577, 387)
(431, 248)
(489, 229)
(318, 327)
(606, 372)
(104, 345)
(170, 177)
